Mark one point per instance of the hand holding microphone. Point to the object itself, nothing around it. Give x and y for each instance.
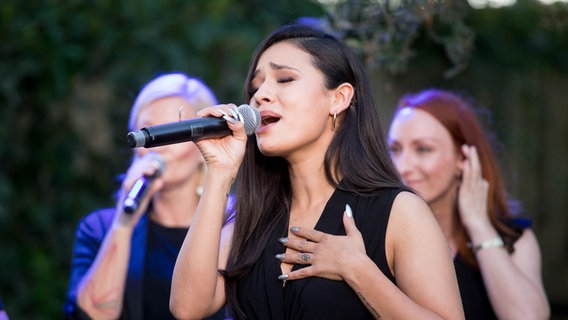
(140, 188)
(193, 129)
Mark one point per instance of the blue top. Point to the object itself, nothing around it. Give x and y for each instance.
(144, 275)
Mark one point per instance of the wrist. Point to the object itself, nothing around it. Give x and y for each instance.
(353, 266)
(478, 225)
(122, 225)
(219, 181)
(486, 244)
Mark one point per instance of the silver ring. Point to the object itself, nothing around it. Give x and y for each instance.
(306, 257)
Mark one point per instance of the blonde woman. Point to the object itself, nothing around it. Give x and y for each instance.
(122, 262)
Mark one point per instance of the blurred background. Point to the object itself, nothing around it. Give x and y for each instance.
(69, 71)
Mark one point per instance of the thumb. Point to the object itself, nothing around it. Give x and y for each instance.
(348, 221)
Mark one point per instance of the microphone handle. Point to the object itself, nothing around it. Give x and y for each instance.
(136, 194)
(182, 131)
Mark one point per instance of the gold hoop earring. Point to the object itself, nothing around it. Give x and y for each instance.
(334, 119)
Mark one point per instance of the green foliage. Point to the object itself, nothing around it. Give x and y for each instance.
(70, 71)
(384, 32)
(531, 34)
(388, 34)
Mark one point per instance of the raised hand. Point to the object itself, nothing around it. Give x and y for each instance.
(146, 165)
(224, 152)
(322, 251)
(473, 191)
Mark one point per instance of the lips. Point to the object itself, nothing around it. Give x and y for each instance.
(267, 118)
(411, 183)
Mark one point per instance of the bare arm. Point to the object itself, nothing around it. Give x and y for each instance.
(513, 282)
(420, 259)
(101, 291)
(197, 287)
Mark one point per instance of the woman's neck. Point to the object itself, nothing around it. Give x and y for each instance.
(310, 193)
(174, 207)
(445, 211)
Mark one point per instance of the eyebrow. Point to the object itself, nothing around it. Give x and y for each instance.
(276, 66)
(426, 140)
(415, 140)
(280, 66)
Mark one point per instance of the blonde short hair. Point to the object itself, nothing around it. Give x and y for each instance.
(197, 93)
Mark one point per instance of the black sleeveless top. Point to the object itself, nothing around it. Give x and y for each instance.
(262, 296)
(162, 247)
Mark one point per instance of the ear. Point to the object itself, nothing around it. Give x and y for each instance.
(342, 97)
(460, 161)
(459, 169)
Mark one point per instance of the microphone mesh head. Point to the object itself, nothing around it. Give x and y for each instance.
(159, 163)
(250, 117)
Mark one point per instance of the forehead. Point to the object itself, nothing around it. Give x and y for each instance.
(284, 53)
(167, 107)
(414, 123)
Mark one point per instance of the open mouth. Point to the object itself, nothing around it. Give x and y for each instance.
(269, 119)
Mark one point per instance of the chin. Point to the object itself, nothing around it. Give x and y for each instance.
(272, 150)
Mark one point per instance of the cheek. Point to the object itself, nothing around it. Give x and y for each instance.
(440, 176)
(441, 170)
(184, 159)
(189, 155)
(434, 168)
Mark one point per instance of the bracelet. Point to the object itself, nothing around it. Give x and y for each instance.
(495, 242)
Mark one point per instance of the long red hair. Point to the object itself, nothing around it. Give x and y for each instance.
(457, 115)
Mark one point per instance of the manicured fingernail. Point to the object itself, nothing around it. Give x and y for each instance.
(229, 119)
(283, 277)
(295, 229)
(280, 256)
(283, 240)
(222, 112)
(234, 113)
(348, 211)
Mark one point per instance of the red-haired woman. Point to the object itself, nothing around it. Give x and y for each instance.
(441, 151)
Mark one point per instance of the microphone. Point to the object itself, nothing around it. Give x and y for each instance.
(140, 187)
(192, 129)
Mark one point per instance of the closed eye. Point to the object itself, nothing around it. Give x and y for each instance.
(285, 80)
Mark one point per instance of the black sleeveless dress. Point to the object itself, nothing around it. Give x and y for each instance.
(262, 296)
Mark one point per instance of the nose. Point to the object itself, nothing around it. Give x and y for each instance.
(263, 94)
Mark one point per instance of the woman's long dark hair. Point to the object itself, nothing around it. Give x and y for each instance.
(358, 153)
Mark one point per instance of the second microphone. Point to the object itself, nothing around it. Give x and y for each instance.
(192, 130)
(139, 189)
